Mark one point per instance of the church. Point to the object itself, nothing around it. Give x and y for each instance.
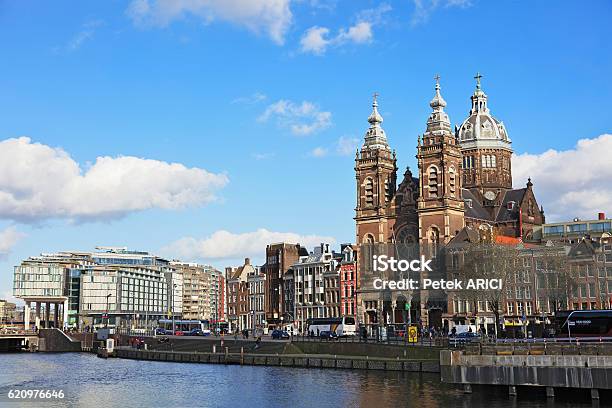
(463, 188)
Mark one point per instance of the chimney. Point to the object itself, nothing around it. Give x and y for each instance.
(601, 216)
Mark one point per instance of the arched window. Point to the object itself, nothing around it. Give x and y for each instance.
(369, 192)
(451, 180)
(388, 191)
(434, 239)
(433, 181)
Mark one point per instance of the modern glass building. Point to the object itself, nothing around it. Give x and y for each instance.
(113, 286)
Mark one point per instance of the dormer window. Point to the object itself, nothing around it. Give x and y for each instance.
(511, 205)
(468, 202)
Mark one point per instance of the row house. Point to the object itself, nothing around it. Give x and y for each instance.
(310, 274)
(546, 278)
(348, 282)
(279, 258)
(256, 288)
(238, 295)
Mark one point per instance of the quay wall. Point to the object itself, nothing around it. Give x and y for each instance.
(283, 360)
(561, 371)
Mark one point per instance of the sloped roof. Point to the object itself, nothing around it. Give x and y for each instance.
(516, 195)
(476, 210)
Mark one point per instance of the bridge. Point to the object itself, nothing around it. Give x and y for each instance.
(18, 340)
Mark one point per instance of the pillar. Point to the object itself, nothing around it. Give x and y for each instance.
(56, 315)
(47, 315)
(37, 315)
(550, 392)
(26, 316)
(512, 391)
(65, 314)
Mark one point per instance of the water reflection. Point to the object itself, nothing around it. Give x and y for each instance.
(88, 381)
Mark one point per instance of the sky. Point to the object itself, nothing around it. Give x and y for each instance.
(204, 129)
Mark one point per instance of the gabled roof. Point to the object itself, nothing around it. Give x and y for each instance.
(476, 210)
(504, 214)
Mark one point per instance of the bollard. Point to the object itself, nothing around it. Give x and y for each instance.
(241, 355)
(214, 350)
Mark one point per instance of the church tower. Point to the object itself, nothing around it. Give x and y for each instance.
(376, 174)
(486, 149)
(440, 205)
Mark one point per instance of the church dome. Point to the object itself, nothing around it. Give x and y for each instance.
(481, 128)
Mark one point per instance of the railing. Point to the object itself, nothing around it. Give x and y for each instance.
(396, 340)
(13, 333)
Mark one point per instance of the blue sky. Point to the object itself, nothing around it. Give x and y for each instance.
(262, 102)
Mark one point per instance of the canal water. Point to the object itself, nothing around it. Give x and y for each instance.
(88, 381)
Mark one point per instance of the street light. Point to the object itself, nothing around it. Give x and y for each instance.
(107, 317)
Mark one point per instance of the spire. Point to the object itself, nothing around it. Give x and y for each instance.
(437, 103)
(477, 78)
(375, 119)
(438, 120)
(375, 137)
(479, 98)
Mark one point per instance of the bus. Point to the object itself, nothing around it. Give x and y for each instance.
(342, 326)
(182, 327)
(584, 323)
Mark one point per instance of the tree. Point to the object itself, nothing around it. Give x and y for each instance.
(558, 278)
(488, 261)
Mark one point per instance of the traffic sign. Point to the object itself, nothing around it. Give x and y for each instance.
(412, 334)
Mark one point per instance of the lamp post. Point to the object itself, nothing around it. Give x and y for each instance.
(107, 316)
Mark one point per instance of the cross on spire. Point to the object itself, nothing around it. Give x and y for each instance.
(437, 78)
(375, 95)
(477, 78)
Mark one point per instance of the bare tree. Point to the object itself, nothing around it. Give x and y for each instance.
(558, 278)
(488, 262)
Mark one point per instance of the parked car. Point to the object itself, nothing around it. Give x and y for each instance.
(196, 332)
(160, 331)
(280, 334)
(328, 335)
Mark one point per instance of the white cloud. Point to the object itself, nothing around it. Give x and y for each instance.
(8, 238)
(40, 182)
(262, 156)
(273, 17)
(316, 40)
(346, 146)
(302, 119)
(360, 33)
(87, 31)
(319, 152)
(251, 99)
(226, 245)
(570, 183)
(424, 8)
